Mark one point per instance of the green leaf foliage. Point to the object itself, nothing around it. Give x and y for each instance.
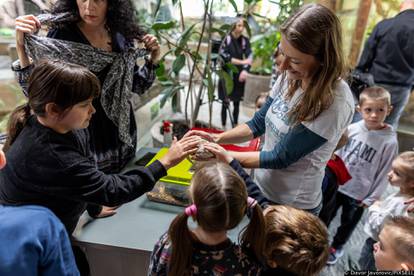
(169, 92)
(178, 64)
(228, 81)
(163, 25)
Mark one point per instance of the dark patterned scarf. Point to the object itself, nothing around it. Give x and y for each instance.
(117, 86)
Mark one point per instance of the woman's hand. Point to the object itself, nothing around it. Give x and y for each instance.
(247, 61)
(410, 204)
(179, 150)
(26, 24)
(220, 153)
(243, 76)
(2, 159)
(211, 137)
(151, 43)
(107, 211)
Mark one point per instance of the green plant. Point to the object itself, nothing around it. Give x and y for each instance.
(263, 47)
(178, 35)
(264, 44)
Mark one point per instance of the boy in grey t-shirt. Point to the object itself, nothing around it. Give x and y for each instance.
(368, 156)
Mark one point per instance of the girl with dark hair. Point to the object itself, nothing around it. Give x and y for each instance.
(49, 160)
(236, 50)
(107, 27)
(309, 108)
(220, 202)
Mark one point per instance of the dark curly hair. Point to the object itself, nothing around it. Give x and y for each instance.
(121, 16)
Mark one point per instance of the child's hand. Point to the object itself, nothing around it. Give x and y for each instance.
(107, 212)
(211, 137)
(220, 153)
(179, 150)
(2, 159)
(410, 204)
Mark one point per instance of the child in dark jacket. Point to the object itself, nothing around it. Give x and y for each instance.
(49, 162)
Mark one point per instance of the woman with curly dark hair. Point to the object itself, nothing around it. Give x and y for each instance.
(109, 26)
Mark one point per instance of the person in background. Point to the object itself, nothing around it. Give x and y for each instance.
(260, 100)
(388, 56)
(108, 27)
(277, 61)
(308, 110)
(401, 176)
(368, 155)
(336, 174)
(235, 49)
(394, 250)
(34, 241)
(220, 202)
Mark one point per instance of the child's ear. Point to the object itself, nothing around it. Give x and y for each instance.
(52, 110)
(407, 267)
(358, 108)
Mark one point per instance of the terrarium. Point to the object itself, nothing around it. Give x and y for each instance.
(173, 188)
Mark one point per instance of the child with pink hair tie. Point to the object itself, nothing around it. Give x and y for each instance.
(220, 202)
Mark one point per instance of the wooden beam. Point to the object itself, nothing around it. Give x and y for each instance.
(360, 26)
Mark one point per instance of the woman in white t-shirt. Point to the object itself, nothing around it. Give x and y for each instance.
(308, 109)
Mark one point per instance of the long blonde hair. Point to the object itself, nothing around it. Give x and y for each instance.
(315, 30)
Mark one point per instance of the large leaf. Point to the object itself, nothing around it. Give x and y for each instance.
(186, 35)
(228, 81)
(160, 71)
(233, 3)
(163, 25)
(168, 92)
(178, 64)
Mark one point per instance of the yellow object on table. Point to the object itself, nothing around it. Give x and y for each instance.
(180, 174)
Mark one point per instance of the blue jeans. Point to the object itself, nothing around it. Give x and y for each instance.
(399, 99)
(367, 260)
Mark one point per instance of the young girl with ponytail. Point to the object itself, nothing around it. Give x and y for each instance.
(49, 162)
(220, 202)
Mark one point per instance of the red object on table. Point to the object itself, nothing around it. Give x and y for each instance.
(253, 145)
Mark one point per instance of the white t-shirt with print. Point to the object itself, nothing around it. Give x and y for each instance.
(299, 185)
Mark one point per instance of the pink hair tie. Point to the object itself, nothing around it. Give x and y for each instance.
(191, 210)
(251, 202)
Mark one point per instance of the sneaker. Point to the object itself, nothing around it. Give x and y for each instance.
(334, 255)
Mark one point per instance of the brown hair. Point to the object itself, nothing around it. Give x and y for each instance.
(402, 236)
(296, 240)
(220, 196)
(315, 30)
(376, 93)
(64, 84)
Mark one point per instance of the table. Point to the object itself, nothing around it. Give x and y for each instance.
(122, 244)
